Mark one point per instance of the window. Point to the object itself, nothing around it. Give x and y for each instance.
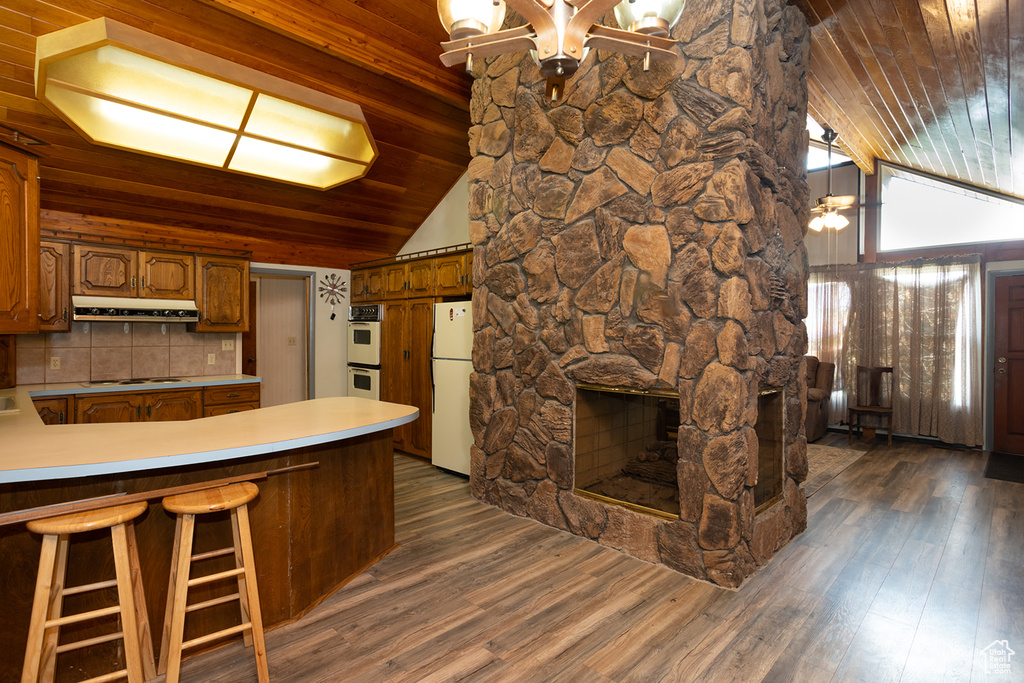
(921, 211)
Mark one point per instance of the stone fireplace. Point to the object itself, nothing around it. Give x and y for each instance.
(626, 448)
(646, 234)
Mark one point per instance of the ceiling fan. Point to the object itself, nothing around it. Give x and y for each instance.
(829, 206)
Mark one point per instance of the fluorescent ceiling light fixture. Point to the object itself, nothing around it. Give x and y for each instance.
(122, 87)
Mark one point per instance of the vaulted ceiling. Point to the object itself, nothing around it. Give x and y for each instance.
(381, 55)
(936, 85)
(932, 84)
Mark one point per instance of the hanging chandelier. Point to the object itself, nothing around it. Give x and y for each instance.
(559, 33)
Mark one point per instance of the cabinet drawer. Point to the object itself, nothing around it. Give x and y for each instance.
(210, 411)
(233, 393)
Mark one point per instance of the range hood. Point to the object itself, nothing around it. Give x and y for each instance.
(117, 309)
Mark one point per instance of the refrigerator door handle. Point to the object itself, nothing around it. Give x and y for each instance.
(433, 387)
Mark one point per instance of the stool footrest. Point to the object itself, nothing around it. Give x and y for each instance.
(78, 644)
(210, 578)
(214, 553)
(85, 588)
(212, 603)
(83, 616)
(106, 678)
(216, 636)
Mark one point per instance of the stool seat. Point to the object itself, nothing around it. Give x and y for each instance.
(211, 500)
(75, 522)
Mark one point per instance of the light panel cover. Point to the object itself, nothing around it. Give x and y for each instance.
(125, 88)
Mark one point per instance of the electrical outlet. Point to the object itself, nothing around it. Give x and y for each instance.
(211, 359)
(292, 341)
(227, 344)
(55, 362)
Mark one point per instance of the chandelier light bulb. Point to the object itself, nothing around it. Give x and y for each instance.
(653, 17)
(817, 224)
(467, 18)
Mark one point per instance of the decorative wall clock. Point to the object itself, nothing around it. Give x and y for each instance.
(332, 288)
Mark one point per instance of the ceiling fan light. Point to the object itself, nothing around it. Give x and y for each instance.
(467, 18)
(835, 221)
(817, 223)
(653, 17)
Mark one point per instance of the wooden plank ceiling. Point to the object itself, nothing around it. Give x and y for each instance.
(932, 84)
(936, 85)
(381, 55)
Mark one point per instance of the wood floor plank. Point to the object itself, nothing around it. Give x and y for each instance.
(911, 564)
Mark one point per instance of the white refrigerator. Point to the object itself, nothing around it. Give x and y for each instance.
(451, 364)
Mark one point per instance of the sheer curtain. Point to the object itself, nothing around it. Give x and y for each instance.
(921, 317)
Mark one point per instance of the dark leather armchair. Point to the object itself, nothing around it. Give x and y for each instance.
(820, 377)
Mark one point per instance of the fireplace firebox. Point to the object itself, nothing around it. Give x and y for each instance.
(626, 448)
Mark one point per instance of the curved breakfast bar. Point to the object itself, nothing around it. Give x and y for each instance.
(313, 529)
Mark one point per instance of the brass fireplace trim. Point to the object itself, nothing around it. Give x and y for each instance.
(625, 504)
(663, 393)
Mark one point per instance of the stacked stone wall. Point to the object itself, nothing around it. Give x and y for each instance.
(647, 231)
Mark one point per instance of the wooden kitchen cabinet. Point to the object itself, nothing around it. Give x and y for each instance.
(406, 336)
(101, 270)
(230, 398)
(113, 407)
(409, 280)
(453, 274)
(54, 286)
(55, 410)
(166, 406)
(19, 242)
(163, 275)
(223, 286)
(139, 406)
(367, 284)
(395, 281)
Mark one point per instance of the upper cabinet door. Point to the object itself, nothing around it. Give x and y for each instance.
(100, 270)
(358, 290)
(223, 288)
(420, 275)
(395, 281)
(19, 242)
(54, 287)
(452, 275)
(166, 276)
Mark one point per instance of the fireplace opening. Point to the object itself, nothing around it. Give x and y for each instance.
(627, 448)
(770, 428)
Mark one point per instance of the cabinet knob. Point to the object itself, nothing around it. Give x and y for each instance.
(233, 395)
(64, 315)
(133, 280)
(149, 411)
(138, 411)
(60, 417)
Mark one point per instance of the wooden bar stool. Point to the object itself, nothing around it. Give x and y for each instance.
(46, 620)
(235, 498)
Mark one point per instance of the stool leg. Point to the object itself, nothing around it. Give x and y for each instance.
(182, 562)
(243, 596)
(126, 599)
(141, 612)
(40, 603)
(165, 636)
(48, 667)
(253, 594)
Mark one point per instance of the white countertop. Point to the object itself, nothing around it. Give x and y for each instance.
(32, 451)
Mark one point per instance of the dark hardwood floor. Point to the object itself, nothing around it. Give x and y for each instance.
(912, 563)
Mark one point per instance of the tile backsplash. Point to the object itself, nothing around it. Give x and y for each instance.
(98, 351)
